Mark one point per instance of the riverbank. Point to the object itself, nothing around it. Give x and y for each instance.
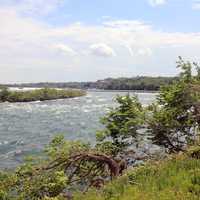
(44, 94)
(175, 178)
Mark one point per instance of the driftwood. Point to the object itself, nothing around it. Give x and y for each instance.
(85, 170)
(92, 169)
(113, 165)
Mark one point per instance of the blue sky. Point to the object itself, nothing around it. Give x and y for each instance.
(83, 40)
(174, 15)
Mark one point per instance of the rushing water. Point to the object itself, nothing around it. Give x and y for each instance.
(25, 128)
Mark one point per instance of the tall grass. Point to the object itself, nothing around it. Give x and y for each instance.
(177, 178)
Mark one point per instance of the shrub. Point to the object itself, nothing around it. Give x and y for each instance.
(175, 118)
(121, 125)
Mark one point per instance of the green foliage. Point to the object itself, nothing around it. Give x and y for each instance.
(194, 152)
(32, 181)
(174, 119)
(62, 149)
(4, 93)
(38, 95)
(177, 178)
(121, 125)
(135, 83)
(67, 166)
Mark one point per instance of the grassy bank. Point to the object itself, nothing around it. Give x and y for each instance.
(176, 178)
(38, 95)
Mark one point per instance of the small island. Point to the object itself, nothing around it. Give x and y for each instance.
(43, 94)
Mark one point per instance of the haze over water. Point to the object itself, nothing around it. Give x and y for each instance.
(25, 128)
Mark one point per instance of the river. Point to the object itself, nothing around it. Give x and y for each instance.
(25, 128)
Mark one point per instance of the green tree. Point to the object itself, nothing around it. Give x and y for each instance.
(121, 125)
(175, 117)
(4, 93)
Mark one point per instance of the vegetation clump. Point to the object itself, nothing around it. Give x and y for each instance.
(175, 178)
(174, 120)
(38, 94)
(121, 125)
(67, 166)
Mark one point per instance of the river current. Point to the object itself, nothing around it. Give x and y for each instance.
(25, 128)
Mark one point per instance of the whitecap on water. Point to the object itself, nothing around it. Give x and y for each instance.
(5, 142)
(18, 152)
(11, 106)
(88, 96)
(43, 105)
(86, 110)
(20, 142)
(82, 124)
(75, 98)
(102, 100)
(98, 106)
(35, 102)
(89, 101)
(58, 112)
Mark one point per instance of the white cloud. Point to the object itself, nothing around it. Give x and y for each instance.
(29, 49)
(102, 50)
(130, 50)
(196, 5)
(145, 52)
(157, 2)
(63, 48)
(33, 7)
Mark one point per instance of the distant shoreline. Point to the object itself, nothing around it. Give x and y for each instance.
(15, 96)
(89, 89)
(137, 91)
(139, 83)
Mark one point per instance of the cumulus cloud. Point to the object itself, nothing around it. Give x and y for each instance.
(28, 46)
(157, 2)
(130, 50)
(196, 5)
(139, 51)
(63, 48)
(33, 7)
(102, 50)
(145, 52)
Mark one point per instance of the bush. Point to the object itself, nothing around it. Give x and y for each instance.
(194, 152)
(175, 118)
(121, 125)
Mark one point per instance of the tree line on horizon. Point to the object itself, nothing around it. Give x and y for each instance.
(134, 83)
